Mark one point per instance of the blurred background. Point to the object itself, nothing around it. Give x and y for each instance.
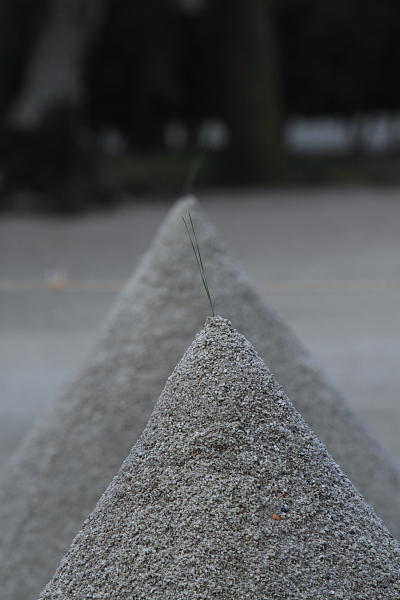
(282, 115)
(104, 97)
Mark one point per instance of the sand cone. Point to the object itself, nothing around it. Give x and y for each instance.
(56, 478)
(228, 494)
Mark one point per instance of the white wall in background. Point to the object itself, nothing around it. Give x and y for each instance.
(375, 133)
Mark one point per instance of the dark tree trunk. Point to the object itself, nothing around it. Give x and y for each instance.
(248, 69)
(54, 72)
(41, 146)
(20, 21)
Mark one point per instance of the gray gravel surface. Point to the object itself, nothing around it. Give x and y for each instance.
(228, 494)
(66, 463)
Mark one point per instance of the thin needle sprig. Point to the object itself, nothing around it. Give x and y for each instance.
(196, 250)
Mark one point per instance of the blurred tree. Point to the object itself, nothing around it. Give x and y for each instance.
(54, 70)
(41, 146)
(245, 52)
(20, 21)
(72, 68)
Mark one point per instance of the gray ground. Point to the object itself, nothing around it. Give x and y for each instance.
(228, 494)
(347, 238)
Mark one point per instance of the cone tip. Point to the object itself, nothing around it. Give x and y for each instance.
(216, 321)
(187, 203)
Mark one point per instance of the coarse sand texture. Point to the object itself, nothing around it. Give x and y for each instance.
(228, 494)
(69, 459)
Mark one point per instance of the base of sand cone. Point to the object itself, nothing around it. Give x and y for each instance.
(67, 462)
(229, 494)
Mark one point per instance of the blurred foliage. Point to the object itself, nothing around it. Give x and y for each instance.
(357, 170)
(51, 163)
(154, 63)
(249, 63)
(165, 173)
(338, 56)
(132, 72)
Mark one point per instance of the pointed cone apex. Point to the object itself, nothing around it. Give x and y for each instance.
(228, 494)
(70, 458)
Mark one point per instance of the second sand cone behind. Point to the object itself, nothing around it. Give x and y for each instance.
(228, 494)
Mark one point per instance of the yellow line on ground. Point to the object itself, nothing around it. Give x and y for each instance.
(61, 285)
(324, 286)
(330, 286)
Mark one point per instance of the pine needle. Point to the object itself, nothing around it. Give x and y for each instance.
(196, 250)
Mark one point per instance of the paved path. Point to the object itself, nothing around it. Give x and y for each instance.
(328, 259)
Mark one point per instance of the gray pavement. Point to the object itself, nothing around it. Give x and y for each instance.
(326, 258)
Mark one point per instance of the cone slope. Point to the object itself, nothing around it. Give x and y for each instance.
(193, 511)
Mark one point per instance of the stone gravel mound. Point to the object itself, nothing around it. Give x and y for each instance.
(228, 494)
(67, 462)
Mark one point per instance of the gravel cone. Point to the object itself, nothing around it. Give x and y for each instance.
(228, 494)
(69, 459)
